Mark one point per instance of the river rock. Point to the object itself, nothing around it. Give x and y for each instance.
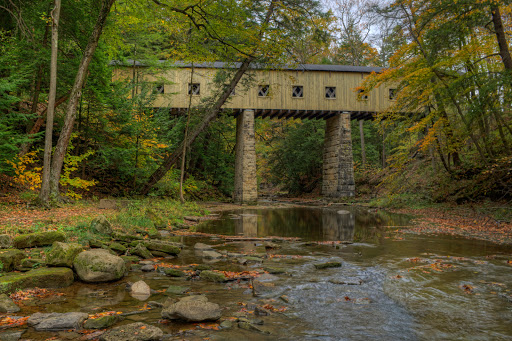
(140, 290)
(57, 321)
(41, 278)
(328, 265)
(117, 248)
(31, 263)
(101, 225)
(260, 288)
(176, 290)
(38, 239)
(269, 245)
(7, 305)
(10, 259)
(211, 255)
(274, 271)
(126, 237)
(98, 265)
(101, 322)
(137, 331)
(141, 251)
(163, 246)
(63, 254)
(249, 326)
(11, 336)
(212, 276)
(202, 247)
(173, 272)
(193, 309)
(5, 241)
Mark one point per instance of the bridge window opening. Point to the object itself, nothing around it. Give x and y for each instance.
(330, 92)
(360, 94)
(263, 90)
(194, 89)
(159, 88)
(392, 94)
(298, 91)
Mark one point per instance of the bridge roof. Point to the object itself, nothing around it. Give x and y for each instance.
(288, 67)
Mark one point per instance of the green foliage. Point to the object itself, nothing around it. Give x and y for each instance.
(295, 159)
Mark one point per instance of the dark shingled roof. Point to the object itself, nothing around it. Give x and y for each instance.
(298, 67)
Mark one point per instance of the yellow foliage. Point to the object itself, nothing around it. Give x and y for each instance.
(26, 174)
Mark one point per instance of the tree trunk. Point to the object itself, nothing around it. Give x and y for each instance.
(172, 159)
(363, 151)
(501, 37)
(184, 154)
(74, 97)
(45, 184)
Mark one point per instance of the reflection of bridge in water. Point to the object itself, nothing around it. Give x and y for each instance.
(323, 224)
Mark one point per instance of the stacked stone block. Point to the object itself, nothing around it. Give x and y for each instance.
(245, 163)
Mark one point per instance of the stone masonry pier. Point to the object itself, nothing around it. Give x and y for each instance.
(338, 164)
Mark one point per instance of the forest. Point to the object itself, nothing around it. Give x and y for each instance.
(68, 130)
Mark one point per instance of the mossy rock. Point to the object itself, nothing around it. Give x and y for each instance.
(63, 254)
(126, 237)
(96, 243)
(117, 247)
(101, 322)
(274, 271)
(176, 290)
(130, 258)
(5, 241)
(38, 239)
(201, 267)
(41, 278)
(32, 263)
(163, 246)
(10, 259)
(141, 251)
(101, 225)
(328, 265)
(98, 265)
(212, 276)
(173, 272)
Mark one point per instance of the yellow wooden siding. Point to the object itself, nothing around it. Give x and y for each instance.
(281, 83)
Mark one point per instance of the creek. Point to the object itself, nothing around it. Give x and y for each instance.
(392, 285)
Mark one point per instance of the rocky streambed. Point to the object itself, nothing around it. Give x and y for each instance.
(349, 277)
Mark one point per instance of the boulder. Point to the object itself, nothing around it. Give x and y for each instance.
(125, 237)
(27, 264)
(11, 336)
(101, 322)
(7, 305)
(38, 239)
(193, 309)
(140, 290)
(57, 321)
(41, 278)
(163, 246)
(10, 259)
(5, 241)
(99, 265)
(101, 225)
(202, 247)
(117, 247)
(212, 276)
(141, 251)
(63, 254)
(133, 332)
(211, 255)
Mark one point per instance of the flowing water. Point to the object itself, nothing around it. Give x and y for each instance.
(391, 286)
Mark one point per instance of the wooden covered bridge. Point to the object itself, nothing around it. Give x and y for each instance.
(306, 91)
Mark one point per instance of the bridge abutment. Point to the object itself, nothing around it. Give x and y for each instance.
(245, 164)
(338, 165)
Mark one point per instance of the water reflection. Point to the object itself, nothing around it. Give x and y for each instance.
(308, 223)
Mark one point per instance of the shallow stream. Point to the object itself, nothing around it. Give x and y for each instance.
(391, 286)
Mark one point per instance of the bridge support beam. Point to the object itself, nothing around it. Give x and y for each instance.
(338, 166)
(245, 164)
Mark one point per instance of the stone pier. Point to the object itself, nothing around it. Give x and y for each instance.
(245, 163)
(338, 166)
